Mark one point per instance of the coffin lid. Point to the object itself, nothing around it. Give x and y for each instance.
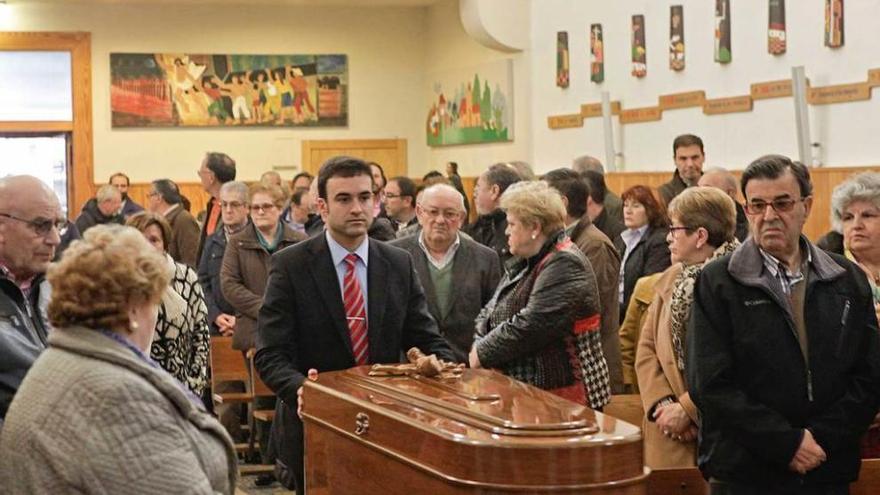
(480, 399)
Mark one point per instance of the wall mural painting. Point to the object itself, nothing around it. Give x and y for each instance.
(776, 28)
(639, 56)
(471, 106)
(676, 37)
(562, 73)
(834, 23)
(187, 90)
(722, 32)
(597, 54)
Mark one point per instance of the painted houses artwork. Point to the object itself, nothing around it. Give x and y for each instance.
(597, 54)
(188, 90)
(723, 54)
(676, 37)
(834, 23)
(776, 44)
(562, 60)
(471, 106)
(639, 54)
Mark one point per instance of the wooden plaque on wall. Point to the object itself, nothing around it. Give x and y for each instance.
(874, 77)
(644, 114)
(771, 89)
(682, 100)
(589, 110)
(565, 121)
(728, 105)
(839, 93)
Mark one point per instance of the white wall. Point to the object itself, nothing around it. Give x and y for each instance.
(846, 131)
(449, 47)
(385, 46)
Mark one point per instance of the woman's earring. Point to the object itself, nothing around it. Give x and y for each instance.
(534, 236)
(133, 325)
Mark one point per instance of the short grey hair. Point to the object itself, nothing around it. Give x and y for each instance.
(442, 187)
(729, 178)
(860, 187)
(586, 162)
(107, 192)
(236, 187)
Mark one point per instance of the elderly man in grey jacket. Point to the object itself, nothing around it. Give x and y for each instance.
(30, 224)
(459, 274)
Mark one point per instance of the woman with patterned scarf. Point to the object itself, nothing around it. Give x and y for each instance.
(702, 225)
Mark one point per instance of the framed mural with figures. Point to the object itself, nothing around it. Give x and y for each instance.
(190, 90)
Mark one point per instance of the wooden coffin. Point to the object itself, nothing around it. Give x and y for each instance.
(482, 433)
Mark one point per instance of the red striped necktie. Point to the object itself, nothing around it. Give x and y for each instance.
(355, 312)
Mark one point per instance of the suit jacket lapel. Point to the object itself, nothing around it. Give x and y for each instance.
(324, 275)
(462, 270)
(377, 290)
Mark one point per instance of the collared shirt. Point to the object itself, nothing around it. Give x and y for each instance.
(631, 238)
(787, 278)
(447, 258)
(23, 285)
(338, 254)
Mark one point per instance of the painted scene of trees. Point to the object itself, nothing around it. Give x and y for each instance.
(471, 107)
(175, 89)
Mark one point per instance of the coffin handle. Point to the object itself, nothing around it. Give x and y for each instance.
(361, 424)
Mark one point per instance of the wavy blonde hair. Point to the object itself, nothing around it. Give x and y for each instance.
(535, 203)
(101, 276)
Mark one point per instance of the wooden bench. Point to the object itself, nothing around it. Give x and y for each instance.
(227, 365)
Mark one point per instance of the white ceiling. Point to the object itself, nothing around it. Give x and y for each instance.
(306, 3)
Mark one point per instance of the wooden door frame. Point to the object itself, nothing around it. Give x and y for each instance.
(80, 173)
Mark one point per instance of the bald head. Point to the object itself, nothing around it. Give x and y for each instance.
(584, 163)
(29, 213)
(17, 191)
(442, 192)
(720, 178)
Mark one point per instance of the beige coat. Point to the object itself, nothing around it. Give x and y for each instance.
(659, 377)
(92, 417)
(631, 328)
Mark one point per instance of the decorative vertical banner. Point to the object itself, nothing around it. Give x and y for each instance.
(834, 23)
(776, 28)
(562, 59)
(597, 54)
(722, 31)
(639, 57)
(676, 37)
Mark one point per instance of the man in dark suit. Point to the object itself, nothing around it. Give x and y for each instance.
(458, 273)
(336, 301)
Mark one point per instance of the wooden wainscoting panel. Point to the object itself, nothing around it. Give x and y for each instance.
(390, 153)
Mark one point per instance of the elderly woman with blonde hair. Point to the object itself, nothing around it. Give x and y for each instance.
(703, 222)
(95, 414)
(542, 324)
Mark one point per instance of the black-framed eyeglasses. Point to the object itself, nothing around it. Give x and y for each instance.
(41, 226)
(780, 205)
(389, 195)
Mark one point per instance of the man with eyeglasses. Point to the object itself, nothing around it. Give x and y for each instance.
(400, 202)
(30, 225)
(215, 170)
(783, 351)
(459, 274)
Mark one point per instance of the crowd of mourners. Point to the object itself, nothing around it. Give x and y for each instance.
(755, 352)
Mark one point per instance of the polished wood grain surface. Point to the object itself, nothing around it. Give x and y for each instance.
(525, 441)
